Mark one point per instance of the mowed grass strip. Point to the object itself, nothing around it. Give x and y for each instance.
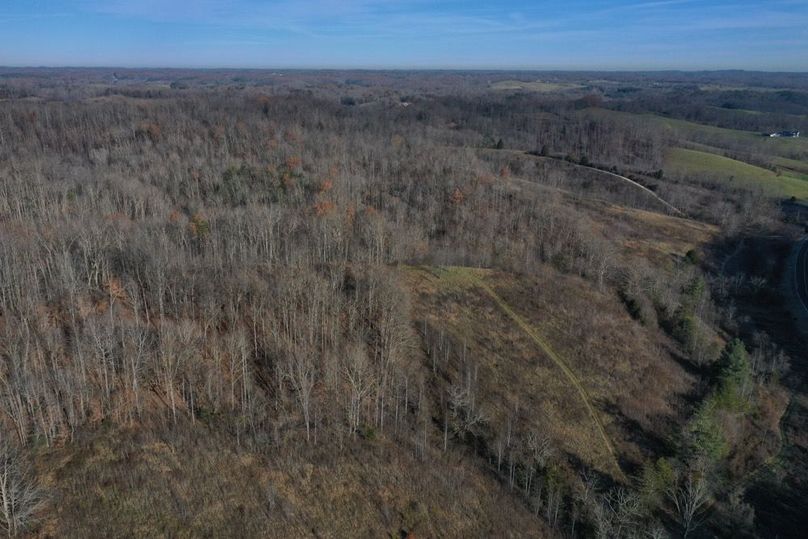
(719, 137)
(473, 278)
(548, 350)
(694, 163)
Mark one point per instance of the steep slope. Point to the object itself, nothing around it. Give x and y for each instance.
(118, 482)
(550, 353)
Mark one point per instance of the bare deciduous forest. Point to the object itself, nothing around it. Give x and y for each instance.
(397, 303)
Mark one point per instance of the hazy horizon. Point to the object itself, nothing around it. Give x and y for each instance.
(402, 69)
(578, 35)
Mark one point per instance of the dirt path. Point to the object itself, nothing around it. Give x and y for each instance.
(620, 177)
(668, 205)
(547, 349)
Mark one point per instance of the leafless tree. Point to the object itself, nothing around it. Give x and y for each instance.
(690, 499)
(360, 380)
(20, 495)
(302, 374)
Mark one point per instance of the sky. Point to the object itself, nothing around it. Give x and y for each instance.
(570, 34)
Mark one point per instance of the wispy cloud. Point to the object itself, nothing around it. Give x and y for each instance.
(512, 32)
(394, 16)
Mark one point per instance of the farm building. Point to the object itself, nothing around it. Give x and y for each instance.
(786, 134)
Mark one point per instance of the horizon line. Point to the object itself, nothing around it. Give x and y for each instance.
(419, 68)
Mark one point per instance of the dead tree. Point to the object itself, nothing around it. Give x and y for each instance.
(690, 499)
(20, 495)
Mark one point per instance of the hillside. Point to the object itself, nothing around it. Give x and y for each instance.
(538, 369)
(717, 168)
(390, 304)
(203, 484)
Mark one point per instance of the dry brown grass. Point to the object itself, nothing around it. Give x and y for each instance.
(650, 235)
(636, 387)
(139, 483)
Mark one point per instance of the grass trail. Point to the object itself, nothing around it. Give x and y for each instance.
(547, 349)
(636, 185)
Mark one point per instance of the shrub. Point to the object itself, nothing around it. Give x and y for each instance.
(706, 437)
(639, 308)
(735, 378)
(657, 479)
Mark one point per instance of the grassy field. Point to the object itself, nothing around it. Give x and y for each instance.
(796, 168)
(719, 137)
(733, 88)
(652, 236)
(472, 278)
(121, 482)
(680, 161)
(586, 384)
(534, 86)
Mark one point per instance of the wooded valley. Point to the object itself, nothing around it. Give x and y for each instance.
(400, 304)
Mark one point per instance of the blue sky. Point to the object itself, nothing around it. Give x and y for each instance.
(573, 34)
